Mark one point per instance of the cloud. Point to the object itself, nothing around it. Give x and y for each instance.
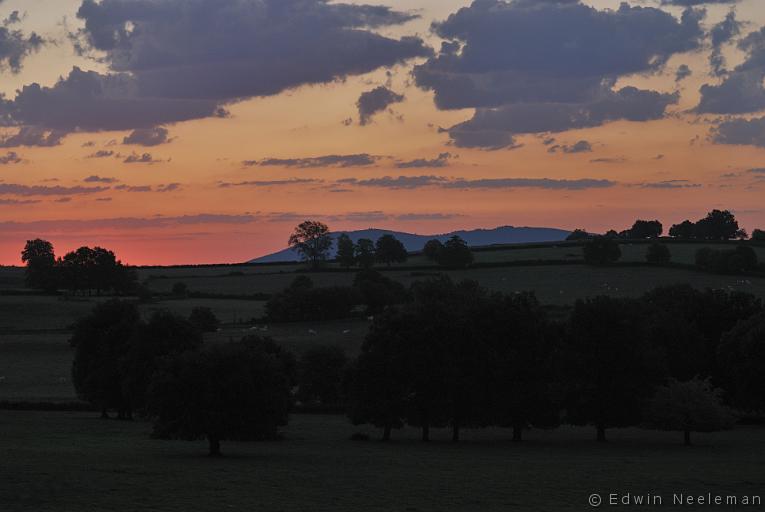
(749, 132)
(494, 128)
(358, 160)
(670, 184)
(178, 60)
(374, 101)
(742, 90)
(538, 64)
(101, 153)
(126, 223)
(133, 188)
(442, 160)
(691, 3)
(546, 183)
(99, 179)
(10, 158)
(15, 46)
(40, 190)
(582, 146)
(683, 72)
(722, 33)
(148, 137)
(32, 136)
(170, 187)
(269, 183)
(415, 217)
(144, 158)
(18, 202)
(398, 182)
(758, 170)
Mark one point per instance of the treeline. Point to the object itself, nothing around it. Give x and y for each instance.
(454, 355)
(85, 270)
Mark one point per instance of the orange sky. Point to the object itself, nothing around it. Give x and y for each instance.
(198, 221)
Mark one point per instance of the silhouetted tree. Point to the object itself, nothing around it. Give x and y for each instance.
(365, 253)
(693, 406)
(101, 340)
(311, 239)
(432, 250)
(658, 254)
(378, 291)
(96, 269)
(389, 249)
(229, 391)
(526, 346)
(321, 371)
(578, 234)
(646, 229)
(758, 235)
(164, 334)
(286, 358)
(455, 253)
(40, 263)
(742, 359)
(685, 229)
(613, 368)
(601, 250)
(301, 301)
(735, 261)
(718, 225)
(346, 251)
(204, 319)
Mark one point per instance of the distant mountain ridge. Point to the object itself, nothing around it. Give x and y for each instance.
(413, 242)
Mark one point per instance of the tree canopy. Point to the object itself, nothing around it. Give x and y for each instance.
(311, 239)
(389, 250)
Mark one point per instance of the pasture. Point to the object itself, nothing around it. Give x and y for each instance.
(74, 461)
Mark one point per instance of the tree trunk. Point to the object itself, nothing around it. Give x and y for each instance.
(386, 433)
(601, 434)
(425, 433)
(517, 433)
(214, 443)
(687, 438)
(456, 432)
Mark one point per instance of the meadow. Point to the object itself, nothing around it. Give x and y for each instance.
(62, 461)
(66, 462)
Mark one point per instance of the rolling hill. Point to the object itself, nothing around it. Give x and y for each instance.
(414, 242)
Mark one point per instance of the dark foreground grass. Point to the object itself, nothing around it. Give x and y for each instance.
(76, 462)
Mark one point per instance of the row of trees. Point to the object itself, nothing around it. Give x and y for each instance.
(460, 356)
(717, 225)
(364, 253)
(85, 270)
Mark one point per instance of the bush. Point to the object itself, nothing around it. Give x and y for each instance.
(302, 302)
(377, 291)
(204, 319)
(658, 254)
(737, 261)
(455, 253)
(602, 250)
(320, 377)
(578, 234)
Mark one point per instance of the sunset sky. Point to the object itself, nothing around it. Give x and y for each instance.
(201, 131)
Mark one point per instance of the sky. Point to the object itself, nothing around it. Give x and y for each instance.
(203, 131)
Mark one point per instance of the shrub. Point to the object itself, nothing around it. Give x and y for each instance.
(204, 319)
(658, 254)
(602, 250)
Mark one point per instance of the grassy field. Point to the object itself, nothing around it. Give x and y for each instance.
(73, 461)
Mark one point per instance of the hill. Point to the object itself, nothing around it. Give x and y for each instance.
(414, 242)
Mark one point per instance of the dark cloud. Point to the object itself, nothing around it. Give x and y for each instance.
(683, 72)
(63, 200)
(374, 101)
(582, 146)
(531, 66)
(10, 158)
(18, 202)
(670, 184)
(722, 33)
(177, 60)
(442, 160)
(359, 160)
(414, 217)
(40, 190)
(268, 183)
(125, 223)
(691, 3)
(750, 132)
(133, 188)
(144, 158)
(32, 136)
(758, 170)
(99, 179)
(15, 46)
(495, 127)
(170, 187)
(148, 137)
(546, 183)
(742, 90)
(398, 182)
(101, 153)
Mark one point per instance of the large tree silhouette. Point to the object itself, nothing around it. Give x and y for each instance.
(40, 263)
(311, 239)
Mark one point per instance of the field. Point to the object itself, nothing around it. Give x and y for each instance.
(73, 461)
